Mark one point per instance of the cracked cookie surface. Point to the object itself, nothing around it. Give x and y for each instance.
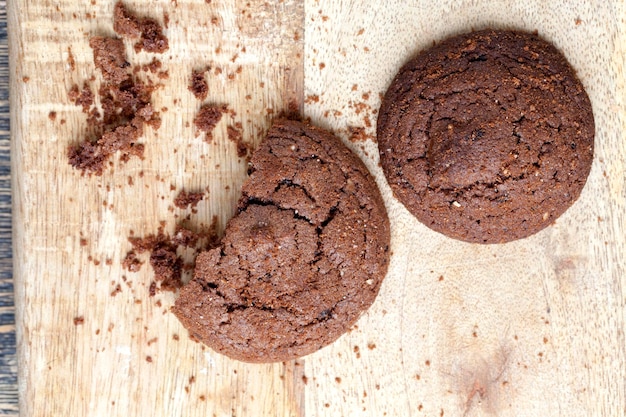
(302, 259)
(487, 137)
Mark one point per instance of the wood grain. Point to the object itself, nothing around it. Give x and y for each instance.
(124, 358)
(8, 363)
(533, 327)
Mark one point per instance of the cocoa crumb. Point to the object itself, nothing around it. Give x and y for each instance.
(124, 22)
(184, 199)
(109, 57)
(131, 262)
(207, 118)
(198, 85)
(82, 97)
(358, 134)
(149, 359)
(126, 107)
(78, 321)
(52, 115)
(167, 265)
(25, 79)
(314, 98)
(185, 237)
(152, 289)
(70, 59)
(152, 38)
(235, 135)
(154, 66)
(116, 290)
(149, 31)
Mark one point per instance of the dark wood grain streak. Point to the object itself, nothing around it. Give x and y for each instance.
(8, 362)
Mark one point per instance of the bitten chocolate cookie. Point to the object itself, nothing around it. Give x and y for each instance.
(487, 137)
(302, 259)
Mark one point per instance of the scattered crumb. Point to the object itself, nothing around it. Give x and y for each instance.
(52, 115)
(184, 199)
(149, 31)
(131, 262)
(83, 98)
(78, 321)
(116, 290)
(167, 265)
(185, 237)
(313, 98)
(198, 85)
(371, 346)
(25, 79)
(149, 359)
(235, 135)
(70, 59)
(109, 56)
(207, 118)
(359, 134)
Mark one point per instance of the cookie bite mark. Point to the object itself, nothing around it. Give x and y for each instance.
(302, 259)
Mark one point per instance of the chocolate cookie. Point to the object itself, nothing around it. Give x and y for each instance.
(302, 259)
(487, 137)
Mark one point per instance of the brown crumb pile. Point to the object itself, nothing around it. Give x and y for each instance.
(207, 118)
(166, 263)
(185, 199)
(125, 101)
(185, 237)
(149, 31)
(235, 135)
(198, 85)
(83, 98)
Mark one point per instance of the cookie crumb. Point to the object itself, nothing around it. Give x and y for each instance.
(78, 321)
(184, 199)
(198, 84)
(207, 118)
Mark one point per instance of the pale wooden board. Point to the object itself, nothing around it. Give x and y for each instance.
(100, 367)
(533, 327)
(536, 325)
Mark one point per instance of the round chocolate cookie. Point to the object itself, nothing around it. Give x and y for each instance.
(487, 137)
(302, 259)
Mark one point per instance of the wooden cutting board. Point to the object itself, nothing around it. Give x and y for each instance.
(530, 328)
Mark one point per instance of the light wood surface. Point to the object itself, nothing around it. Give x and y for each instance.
(530, 328)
